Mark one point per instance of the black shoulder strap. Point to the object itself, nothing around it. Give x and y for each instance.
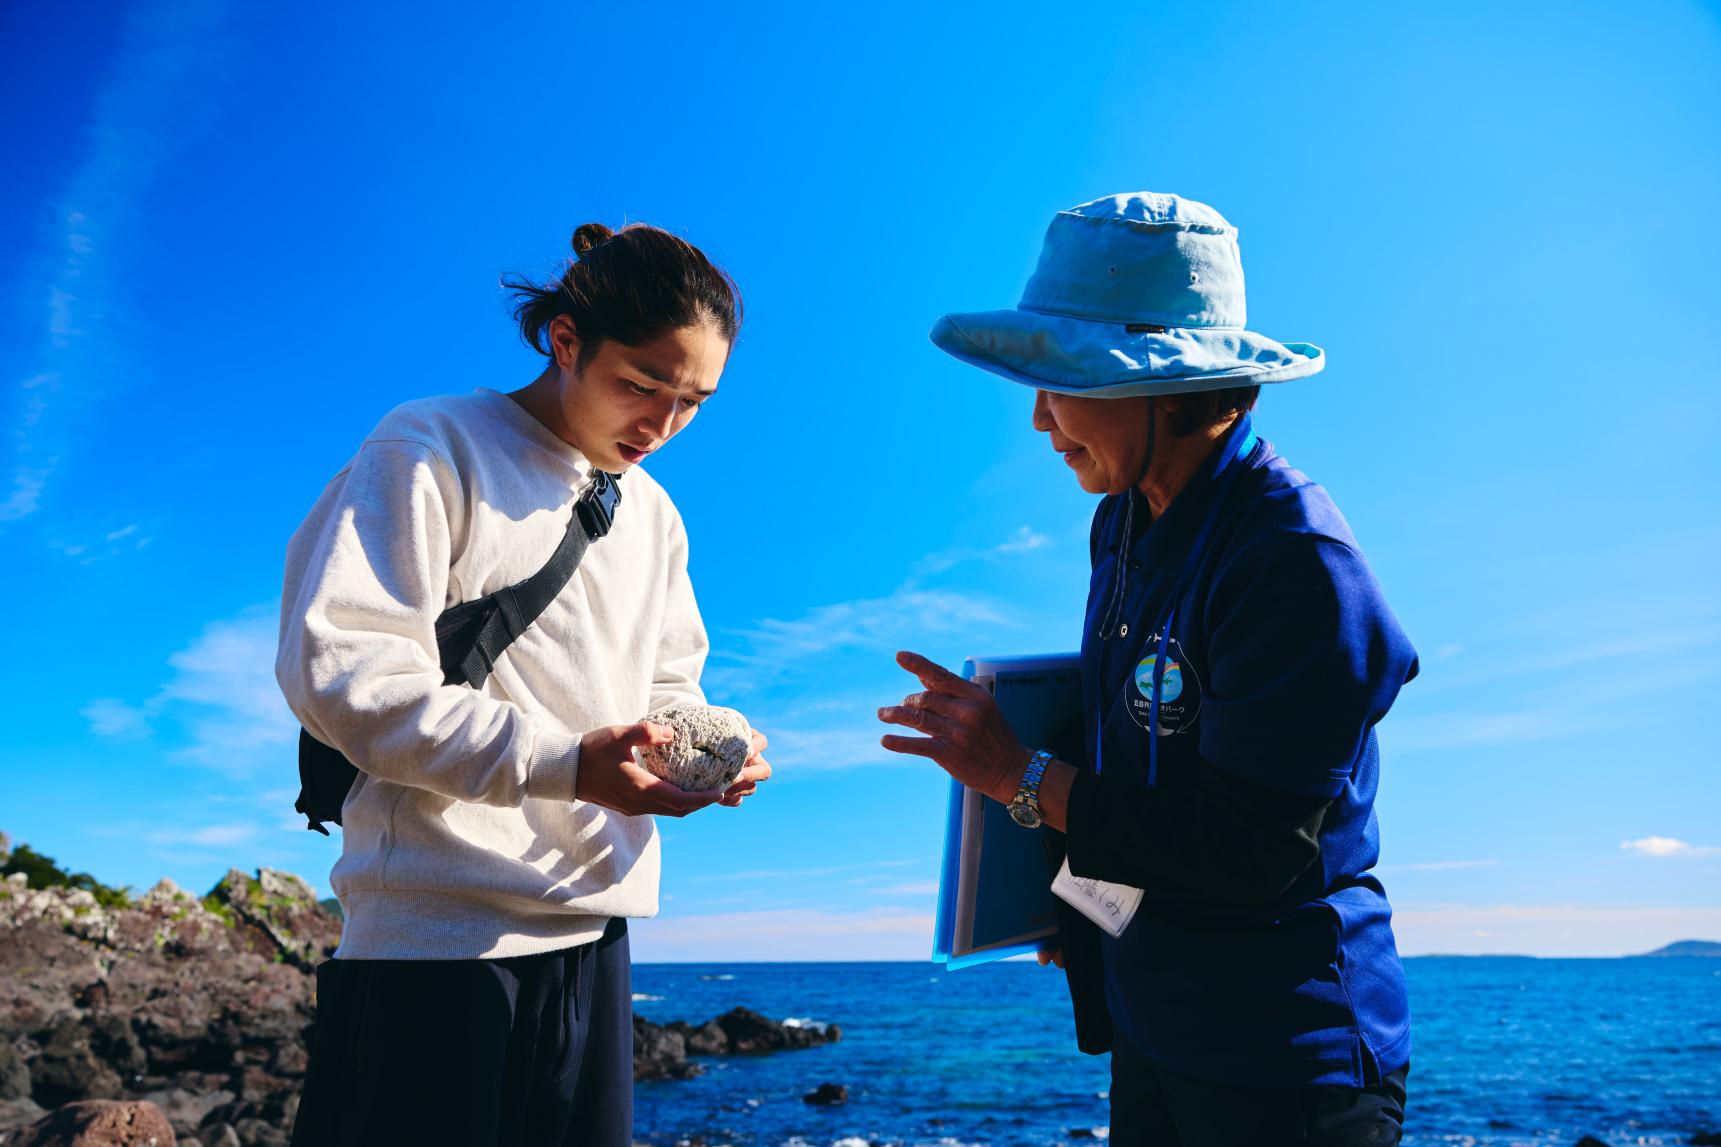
(514, 608)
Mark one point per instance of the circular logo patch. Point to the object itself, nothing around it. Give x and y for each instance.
(1170, 683)
(1179, 688)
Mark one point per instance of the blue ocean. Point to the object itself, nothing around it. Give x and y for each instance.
(1508, 1051)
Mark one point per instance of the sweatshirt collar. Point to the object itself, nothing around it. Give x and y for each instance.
(523, 421)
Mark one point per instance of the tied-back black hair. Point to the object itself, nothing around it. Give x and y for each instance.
(630, 286)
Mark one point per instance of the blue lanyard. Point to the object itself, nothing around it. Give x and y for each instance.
(1225, 476)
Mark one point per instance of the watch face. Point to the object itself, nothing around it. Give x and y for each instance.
(1025, 814)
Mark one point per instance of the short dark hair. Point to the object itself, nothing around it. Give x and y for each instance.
(1206, 408)
(630, 286)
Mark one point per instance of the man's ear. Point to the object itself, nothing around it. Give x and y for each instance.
(564, 341)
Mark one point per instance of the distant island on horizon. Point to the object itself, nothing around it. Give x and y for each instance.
(1688, 948)
(1699, 948)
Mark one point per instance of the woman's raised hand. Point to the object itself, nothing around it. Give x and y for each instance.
(965, 732)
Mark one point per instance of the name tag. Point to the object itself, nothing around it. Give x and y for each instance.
(1111, 906)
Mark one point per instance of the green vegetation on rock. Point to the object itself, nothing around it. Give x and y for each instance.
(41, 872)
(218, 907)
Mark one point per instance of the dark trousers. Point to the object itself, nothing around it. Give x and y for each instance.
(1153, 1107)
(530, 1051)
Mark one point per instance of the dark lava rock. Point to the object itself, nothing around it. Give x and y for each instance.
(660, 1053)
(14, 1076)
(827, 1095)
(100, 1123)
(187, 1109)
(69, 1068)
(707, 1039)
(1591, 1141)
(749, 1033)
(16, 1113)
(199, 1010)
(1706, 1139)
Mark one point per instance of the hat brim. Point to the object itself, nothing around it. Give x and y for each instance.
(1107, 360)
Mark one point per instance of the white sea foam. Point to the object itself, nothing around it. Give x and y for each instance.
(639, 996)
(804, 1022)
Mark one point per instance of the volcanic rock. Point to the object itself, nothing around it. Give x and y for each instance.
(660, 1053)
(750, 1033)
(16, 1113)
(827, 1095)
(198, 1012)
(14, 1076)
(711, 745)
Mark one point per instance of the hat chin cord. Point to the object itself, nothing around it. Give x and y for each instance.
(1152, 434)
(1120, 586)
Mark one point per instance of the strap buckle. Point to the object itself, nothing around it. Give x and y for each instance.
(597, 506)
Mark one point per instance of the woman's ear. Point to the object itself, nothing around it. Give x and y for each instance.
(564, 341)
(1173, 413)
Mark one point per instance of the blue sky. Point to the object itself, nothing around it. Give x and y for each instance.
(232, 238)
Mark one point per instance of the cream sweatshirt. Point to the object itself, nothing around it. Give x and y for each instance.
(461, 837)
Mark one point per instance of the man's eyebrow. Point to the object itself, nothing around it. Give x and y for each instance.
(657, 376)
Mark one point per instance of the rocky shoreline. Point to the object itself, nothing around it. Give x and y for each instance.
(180, 1018)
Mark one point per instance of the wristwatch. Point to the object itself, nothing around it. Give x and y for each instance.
(1025, 809)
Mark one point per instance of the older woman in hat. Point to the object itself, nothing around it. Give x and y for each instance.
(1236, 656)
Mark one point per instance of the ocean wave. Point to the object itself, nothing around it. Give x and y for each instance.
(641, 996)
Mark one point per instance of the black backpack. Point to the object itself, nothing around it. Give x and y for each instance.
(469, 638)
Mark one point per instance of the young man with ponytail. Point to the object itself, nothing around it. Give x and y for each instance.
(497, 838)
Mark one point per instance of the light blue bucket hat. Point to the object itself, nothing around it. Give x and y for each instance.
(1135, 294)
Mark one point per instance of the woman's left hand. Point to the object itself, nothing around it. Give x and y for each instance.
(965, 732)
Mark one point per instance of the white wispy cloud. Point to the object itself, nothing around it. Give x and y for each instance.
(868, 623)
(1424, 732)
(1564, 699)
(781, 670)
(1438, 866)
(209, 836)
(874, 866)
(1642, 645)
(137, 118)
(1548, 929)
(111, 717)
(1666, 846)
(790, 934)
(913, 888)
(221, 691)
(1024, 540)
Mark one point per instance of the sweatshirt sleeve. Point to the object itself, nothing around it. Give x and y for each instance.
(367, 576)
(682, 646)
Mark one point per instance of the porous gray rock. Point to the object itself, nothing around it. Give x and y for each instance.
(711, 745)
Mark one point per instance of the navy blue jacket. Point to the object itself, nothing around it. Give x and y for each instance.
(1263, 952)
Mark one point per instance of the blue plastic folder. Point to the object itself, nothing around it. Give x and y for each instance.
(995, 894)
